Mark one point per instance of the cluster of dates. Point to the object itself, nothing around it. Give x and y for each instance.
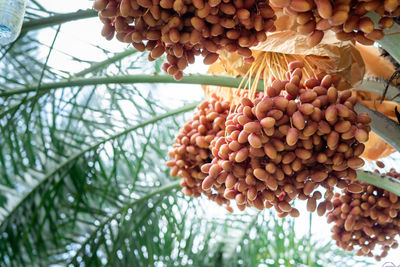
(191, 148)
(183, 29)
(347, 18)
(280, 146)
(366, 218)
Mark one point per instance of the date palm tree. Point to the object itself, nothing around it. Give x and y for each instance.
(82, 168)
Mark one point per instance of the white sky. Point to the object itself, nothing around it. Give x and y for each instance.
(75, 39)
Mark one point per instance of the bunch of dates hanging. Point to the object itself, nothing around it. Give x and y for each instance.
(183, 29)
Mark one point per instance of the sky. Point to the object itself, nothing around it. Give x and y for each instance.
(77, 39)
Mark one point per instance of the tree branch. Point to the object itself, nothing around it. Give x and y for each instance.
(37, 24)
(97, 66)
(385, 182)
(227, 81)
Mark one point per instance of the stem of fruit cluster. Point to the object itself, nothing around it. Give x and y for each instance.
(226, 81)
(383, 126)
(40, 23)
(385, 182)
